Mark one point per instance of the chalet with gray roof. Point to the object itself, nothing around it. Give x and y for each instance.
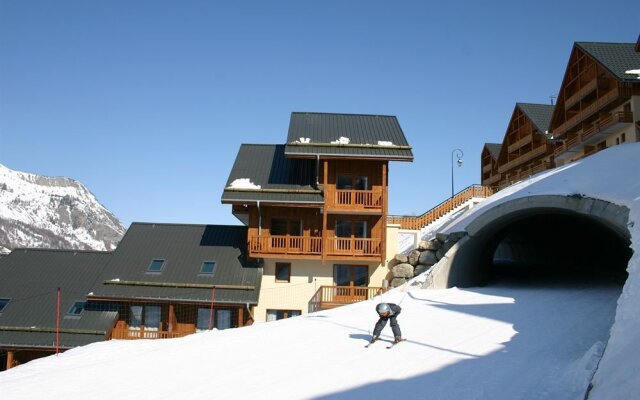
(169, 280)
(29, 282)
(316, 208)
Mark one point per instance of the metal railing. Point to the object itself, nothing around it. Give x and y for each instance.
(420, 221)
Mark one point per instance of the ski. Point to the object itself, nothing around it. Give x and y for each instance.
(395, 343)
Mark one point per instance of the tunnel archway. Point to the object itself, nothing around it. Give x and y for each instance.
(548, 236)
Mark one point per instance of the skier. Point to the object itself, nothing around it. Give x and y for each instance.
(387, 311)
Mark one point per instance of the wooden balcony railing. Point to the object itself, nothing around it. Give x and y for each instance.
(528, 156)
(588, 111)
(285, 245)
(601, 127)
(260, 246)
(335, 296)
(354, 199)
(354, 246)
(131, 334)
(420, 221)
(492, 179)
(580, 94)
(519, 143)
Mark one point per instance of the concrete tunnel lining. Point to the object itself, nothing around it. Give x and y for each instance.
(464, 264)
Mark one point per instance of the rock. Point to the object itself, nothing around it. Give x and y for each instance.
(428, 257)
(401, 259)
(445, 247)
(442, 237)
(402, 271)
(456, 236)
(429, 245)
(421, 269)
(413, 257)
(398, 282)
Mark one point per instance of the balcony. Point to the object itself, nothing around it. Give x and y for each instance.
(520, 143)
(312, 247)
(580, 94)
(352, 200)
(335, 296)
(261, 246)
(595, 132)
(528, 156)
(491, 180)
(142, 333)
(588, 111)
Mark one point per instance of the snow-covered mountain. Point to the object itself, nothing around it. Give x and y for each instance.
(53, 212)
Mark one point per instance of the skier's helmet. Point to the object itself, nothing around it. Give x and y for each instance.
(383, 309)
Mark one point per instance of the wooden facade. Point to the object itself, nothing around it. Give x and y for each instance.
(349, 225)
(592, 104)
(526, 149)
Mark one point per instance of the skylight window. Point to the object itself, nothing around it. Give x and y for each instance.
(77, 308)
(208, 267)
(3, 304)
(156, 265)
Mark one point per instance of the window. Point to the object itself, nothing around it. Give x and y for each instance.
(346, 228)
(208, 267)
(282, 227)
(273, 315)
(223, 318)
(3, 304)
(156, 265)
(151, 315)
(77, 308)
(347, 182)
(351, 275)
(283, 272)
(204, 315)
(623, 138)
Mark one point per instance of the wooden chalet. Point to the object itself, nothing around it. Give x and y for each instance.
(30, 324)
(526, 148)
(316, 207)
(171, 280)
(598, 103)
(490, 174)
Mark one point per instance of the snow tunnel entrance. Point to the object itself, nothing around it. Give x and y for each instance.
(557, 246)
(538, 238)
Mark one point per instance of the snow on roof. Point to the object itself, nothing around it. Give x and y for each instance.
(244, 183)
(342, 140)
(385, 143)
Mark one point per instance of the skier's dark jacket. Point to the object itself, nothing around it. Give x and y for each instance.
(395, 310)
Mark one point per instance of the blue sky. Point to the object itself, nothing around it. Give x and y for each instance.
(147, 102)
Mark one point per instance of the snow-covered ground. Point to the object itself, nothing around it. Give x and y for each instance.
(511, 340)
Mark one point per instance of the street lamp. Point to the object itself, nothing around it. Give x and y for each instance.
(459, 154)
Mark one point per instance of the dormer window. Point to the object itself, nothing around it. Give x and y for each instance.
(208, 267)
(77, 308)
(156, 265)
(3, 304)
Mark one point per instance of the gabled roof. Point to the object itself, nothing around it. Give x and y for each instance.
(539, 114)
(184, 248)
(615, 57)
(280, 179)
(494, 149)
(29, 278)
(370, 136)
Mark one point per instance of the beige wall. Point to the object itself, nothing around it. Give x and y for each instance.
(306, 278)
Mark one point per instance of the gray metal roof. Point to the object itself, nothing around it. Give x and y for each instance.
(616, 57)
(30, 278)
(184, 248)
(494, 149)
(539, 114)
(281, 179)
(365, 132)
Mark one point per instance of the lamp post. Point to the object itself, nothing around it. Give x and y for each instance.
(459, 154)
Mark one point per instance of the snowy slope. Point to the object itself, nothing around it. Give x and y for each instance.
(512, 340)
(53, 212)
